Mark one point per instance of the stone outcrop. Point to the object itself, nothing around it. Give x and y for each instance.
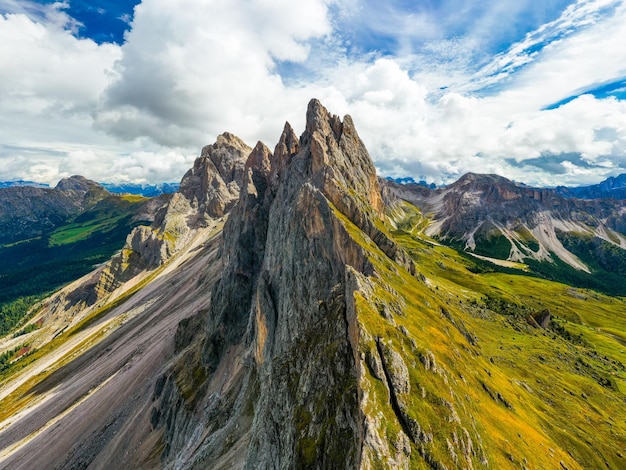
(279, 357)
(207, 192)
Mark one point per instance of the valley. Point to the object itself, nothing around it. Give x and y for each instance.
(289, 309)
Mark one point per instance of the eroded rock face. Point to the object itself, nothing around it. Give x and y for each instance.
(212, 186)
(284, 306)
(207, 192)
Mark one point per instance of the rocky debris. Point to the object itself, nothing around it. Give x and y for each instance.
(540, 319)
(496, 396)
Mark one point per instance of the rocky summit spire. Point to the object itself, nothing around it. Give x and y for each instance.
(287, 146)
(340, 160)
(285, 301)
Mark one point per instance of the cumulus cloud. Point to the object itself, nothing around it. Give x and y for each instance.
(142, 111)
(208, 67)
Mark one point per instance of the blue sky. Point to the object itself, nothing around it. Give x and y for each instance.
(131, 91)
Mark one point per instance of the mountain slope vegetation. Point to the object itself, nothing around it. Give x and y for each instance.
(287, 309)
(56, 246)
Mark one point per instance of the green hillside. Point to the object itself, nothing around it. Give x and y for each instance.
(488, 385)
(30, 269)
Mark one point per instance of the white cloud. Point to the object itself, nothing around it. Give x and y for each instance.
(45, 68)
(208, 67)
(143, 110)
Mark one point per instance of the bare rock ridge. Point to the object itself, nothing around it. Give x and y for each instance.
(490, 215)
(279, 352)
(207, 192)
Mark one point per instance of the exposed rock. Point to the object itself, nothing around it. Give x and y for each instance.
(395, 368)
(543, 318)
(207, 191)
(283, 298)
(495, 217)
(373, 361)
(212, 186)
(428, 359)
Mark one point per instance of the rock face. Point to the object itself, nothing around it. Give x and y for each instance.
(280, 352)
(492, 216)
(27, 212)
(207, 192)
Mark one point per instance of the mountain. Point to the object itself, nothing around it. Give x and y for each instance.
(52, 236)
(11, 184)
(612, 187)
(27, 211)
(287, 309)
(147, 190)
(490, 216)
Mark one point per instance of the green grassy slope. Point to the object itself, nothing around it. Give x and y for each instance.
(487, 388)
(29, 269)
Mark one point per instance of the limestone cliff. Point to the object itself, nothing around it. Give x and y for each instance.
(207, 192)
(279, 356)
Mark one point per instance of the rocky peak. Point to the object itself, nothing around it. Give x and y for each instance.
(259, 159)
(258, 168)
(287, 146)
(217, 175)
(289, 262)
(82, 191)
(228, 154)
(78, 183)
(339, 161)
(207, 192)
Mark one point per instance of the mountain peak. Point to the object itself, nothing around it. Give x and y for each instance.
(78, 183)
(318, 119)
(339, 160)
(482, 179)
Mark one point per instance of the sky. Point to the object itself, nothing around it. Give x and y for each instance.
(130, 91)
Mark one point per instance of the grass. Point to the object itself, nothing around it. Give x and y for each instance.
(526, 397)
(31, 268)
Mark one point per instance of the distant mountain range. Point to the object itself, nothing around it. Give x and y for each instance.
(147, 190)
(612, 187)
(18, 183)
